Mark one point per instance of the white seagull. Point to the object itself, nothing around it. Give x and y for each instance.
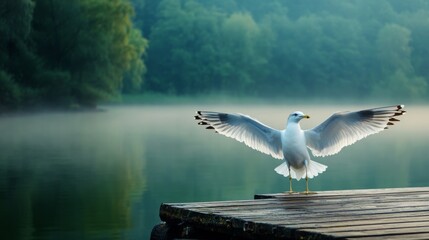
(290, 144)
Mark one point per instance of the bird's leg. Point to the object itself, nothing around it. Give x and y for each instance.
(306, 185)
(306, 179)
(290, 180)
(306, 182)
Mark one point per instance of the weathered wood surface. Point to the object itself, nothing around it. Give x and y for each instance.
(401, 213)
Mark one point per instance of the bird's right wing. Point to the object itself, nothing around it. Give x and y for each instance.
(244, 129)
(345, 128)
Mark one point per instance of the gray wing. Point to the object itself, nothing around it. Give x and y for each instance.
(345, 128)
(244, 129)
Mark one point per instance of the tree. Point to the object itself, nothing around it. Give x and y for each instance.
(243, 53)
(419, 28)
(394, 53)
(133, 78)
(183, 56)
(67, 53)
(15, 27)
(86, 46)
(10, 96)
(393, 48)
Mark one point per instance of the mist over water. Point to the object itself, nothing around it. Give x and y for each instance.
(103, 175)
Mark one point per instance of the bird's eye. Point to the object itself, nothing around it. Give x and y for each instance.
(295, 114)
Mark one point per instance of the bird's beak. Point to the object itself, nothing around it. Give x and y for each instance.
(306, 116)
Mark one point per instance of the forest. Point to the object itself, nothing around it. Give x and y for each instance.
(78, 53)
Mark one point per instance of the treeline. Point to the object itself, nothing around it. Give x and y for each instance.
(329, 48)
(79, 52)
(67, 53)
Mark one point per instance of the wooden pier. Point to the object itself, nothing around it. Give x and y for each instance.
(397, 213)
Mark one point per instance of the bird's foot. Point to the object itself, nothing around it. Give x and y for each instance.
(308, 192)
(290, 192)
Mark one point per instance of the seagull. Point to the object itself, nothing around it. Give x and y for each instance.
(341, 129)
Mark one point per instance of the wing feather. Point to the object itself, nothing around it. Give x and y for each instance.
(244, 129)
(345, 128)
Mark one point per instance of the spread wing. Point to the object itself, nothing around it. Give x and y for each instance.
(345, 128)
(244, 129)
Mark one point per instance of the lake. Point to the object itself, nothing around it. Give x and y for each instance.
(103, 175)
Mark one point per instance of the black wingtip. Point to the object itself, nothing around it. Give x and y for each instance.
(199, 113)
(210, 127)
(197, 117)
(203, 123)
(394, 120)
(402, 112)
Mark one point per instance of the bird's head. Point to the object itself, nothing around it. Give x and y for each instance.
(297, 116)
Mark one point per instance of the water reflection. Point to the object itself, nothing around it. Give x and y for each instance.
(103, 175)
(65, 176)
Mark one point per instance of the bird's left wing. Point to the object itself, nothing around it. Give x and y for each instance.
(345, 128)
(244, 129)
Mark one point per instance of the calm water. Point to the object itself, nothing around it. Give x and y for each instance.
(104, 175)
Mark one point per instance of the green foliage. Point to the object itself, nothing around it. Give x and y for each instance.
(80, 52)
(68, 53)
(394, 54)
(290, 48)
(133, 78)
(393, 48)
(241, 54)
(15, 18)
(11, 93)
(183, 48)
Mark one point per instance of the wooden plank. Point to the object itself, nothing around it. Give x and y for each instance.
(362, 193)
(371, 233)
(278, 219)
(298, 209)
(313, 205)
(365, 226)
(411, 236)
(308, 201)
(356, 192)
(319, 211)
(350, 221)
(326, 215)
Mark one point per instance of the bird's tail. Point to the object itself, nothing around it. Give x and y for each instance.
(313, 169)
